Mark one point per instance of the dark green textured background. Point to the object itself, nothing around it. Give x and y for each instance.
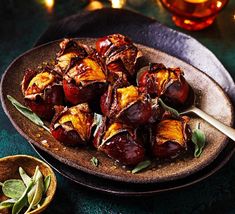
(22, 22)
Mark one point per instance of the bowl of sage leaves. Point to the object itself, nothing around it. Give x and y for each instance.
(27, 185)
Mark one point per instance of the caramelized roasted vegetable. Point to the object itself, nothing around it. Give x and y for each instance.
(119, 52)
(119, 142)
(42, 90)
(127, 105)
(72, 126)
(170, 137)
(167, 83)
(137, 120)
(70, 52)
(85, 81)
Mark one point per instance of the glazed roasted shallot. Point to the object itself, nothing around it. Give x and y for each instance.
(133, 125)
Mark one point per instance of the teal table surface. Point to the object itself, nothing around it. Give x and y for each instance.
(22, 22)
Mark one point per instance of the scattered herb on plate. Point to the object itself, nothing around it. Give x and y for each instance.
(95, 161)
(168, 108)
(142, 165)
(27, 113)
(199, 140)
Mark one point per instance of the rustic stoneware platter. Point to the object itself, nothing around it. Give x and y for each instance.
(213, 100)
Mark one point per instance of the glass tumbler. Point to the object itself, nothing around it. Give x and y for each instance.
(194, 14)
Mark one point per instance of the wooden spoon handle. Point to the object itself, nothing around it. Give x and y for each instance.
(228, 131)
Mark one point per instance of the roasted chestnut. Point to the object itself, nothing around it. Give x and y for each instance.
(167, 83)
(72, 126)
(42, 90)
(70, 51)
(127, 105)
(120, 143)
(119, 52)
(85, 81)
(170, 137)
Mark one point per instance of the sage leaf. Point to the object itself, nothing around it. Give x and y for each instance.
(37, 177)
(142, 165)
(13, 188)
(36, 174)
(199, 140)
(27, 113)
(37, 197)
(31, 193)
(7, 203)
(95, 161)
(22, 201)
(47, 182)
(168, 108)
(26, 179)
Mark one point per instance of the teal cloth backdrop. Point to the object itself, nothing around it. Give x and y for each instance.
(21, 24)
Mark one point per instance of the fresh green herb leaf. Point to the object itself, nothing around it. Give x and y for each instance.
(199, 140)
(38, 193)
(20, 203)
(22, 196)
(7, 204)
(37, 177)
(47, 182)
(142, 165)
(13, 188)
(95, 161)
(27, 113)
(26, 179)
(168, 108)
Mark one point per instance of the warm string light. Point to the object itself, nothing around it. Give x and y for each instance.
(49, 4)
(94, 5)
(219, 4)
(118, 3)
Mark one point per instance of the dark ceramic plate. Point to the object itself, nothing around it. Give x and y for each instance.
(79, 158)
(129, 189)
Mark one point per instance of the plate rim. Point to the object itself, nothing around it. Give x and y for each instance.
(100, 174)
(141, 193)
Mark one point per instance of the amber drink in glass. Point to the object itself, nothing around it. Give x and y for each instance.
(194, 14)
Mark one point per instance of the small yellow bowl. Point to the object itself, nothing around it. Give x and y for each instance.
(9, 169)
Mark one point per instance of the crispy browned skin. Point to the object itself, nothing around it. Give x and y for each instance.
(70, 52)
(167, 83)
(170, 137)
(85, 81)
(119, 142)
(119, 53)
(42, 90)
(72, 126)
(127, 105)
